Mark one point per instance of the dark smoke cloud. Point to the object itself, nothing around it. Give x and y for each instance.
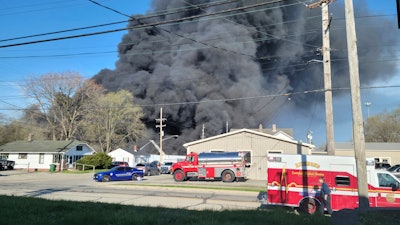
(241, 57)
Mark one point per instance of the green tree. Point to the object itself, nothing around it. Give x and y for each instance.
(114, 120)
(384, 127)
(100, 160)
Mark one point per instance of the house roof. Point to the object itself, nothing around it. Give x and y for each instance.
(285, 131)
(369, 146)
(39, 146)
(247, 131)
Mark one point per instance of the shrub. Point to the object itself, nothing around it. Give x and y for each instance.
(100, 160)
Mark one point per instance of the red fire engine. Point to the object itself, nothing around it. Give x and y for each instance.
(293, 181)
(211, 165)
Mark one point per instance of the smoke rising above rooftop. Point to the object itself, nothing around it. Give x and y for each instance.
(259, 51)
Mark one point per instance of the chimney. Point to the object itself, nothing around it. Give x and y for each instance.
(30, 137)
(274, 128)
(260, 128)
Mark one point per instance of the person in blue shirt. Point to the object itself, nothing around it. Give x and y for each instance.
(325, 196)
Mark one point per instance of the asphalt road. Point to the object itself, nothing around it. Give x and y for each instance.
(160, 191)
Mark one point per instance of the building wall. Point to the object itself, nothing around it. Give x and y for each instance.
(73, 155)
(32, 161)
(257, 144)
(392, 156)
(123, 156)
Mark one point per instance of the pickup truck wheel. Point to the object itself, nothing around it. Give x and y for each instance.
(228, 176)
(309, 206)
(105, 178)
(179, 176)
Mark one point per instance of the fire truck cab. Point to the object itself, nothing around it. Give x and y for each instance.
(293, 181)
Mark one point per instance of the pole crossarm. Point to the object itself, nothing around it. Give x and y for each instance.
(318, 4)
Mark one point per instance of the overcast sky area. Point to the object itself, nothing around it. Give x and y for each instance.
(89, 55)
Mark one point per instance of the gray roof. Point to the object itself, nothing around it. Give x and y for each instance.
(39, 146)
(369, 146)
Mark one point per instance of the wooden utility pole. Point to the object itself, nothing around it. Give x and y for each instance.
(358, 129)
(161, 125)
(326, 53)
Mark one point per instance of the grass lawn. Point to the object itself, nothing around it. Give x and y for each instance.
(379, 217)
(28, 210)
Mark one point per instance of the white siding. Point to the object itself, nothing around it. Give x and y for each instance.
(123, 156)
(32, 161)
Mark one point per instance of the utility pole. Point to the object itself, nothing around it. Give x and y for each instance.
(203, 132)
(326, 53)
(161, 125)
(358, 128)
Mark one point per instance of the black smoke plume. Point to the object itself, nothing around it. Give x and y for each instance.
(263, 51)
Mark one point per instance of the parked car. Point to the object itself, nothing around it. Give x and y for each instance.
(166, 167)
(395, 169)
(118, 173)
(148, 169)
(381, 165)
(6, 164)
(118, 163)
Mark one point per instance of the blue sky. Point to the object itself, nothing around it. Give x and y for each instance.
(20, 18)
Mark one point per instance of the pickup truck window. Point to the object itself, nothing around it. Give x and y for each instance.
(386, 180)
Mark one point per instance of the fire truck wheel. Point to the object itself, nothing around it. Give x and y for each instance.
(228, 176)
(309, 206)
(179, 176)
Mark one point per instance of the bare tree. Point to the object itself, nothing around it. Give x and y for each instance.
(114, 120)
(384, 127)
(61, 98)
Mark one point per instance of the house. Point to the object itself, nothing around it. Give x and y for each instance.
(38, 155)
(123, 156)
(144, 155)
(257, 143)
(380, 151)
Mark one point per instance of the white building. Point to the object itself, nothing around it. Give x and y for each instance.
(39, 155)
(133, 158)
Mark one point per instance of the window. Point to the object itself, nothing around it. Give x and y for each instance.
(22, 155)
(386, 180)
(41, 158)
(57, 158)
(79, 148)
(3, 155)
(246, 154)
(189, 158)
(342, 181)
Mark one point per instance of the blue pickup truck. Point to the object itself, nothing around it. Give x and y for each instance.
(119, 173)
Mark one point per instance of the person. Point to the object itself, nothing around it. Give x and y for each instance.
(325, 196)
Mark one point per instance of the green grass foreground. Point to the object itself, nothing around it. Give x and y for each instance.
(28, 210)
(224, 188)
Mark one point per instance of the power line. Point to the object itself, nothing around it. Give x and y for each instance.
(171, 21)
